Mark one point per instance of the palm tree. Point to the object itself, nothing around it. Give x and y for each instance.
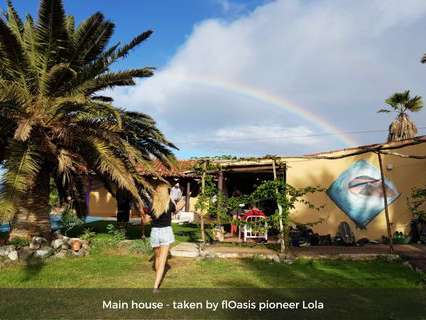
(54, 122)
(402, 127)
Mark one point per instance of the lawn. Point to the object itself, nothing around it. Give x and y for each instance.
(111, 267)
(116, 270)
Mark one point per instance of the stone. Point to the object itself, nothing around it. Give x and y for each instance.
(37, 243)
(39, 240)
(58, 235)
(185, 249)
(13, 255)
(85, 244)
(25, 253)
(407, 264)
(43, 253)
(34, 246)
(5, 250)
(56, 244)
(62, 254)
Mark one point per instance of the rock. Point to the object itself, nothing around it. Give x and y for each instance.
(43, 253)
(58, 235)
(5, 250)
(34, 246)
(407, 264)
(13, 255)
(56, 244)
(67, 240)
(25, 253)
(39, 240)
(85, 244)
(62, 254)
(37, 243)
(185, 249)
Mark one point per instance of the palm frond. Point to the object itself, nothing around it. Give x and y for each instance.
(14, 59)
(14, 21)
(52, 40)
(70, 26)
(92, 30)
(23, 131)
(108, 163)
(383, 111)
(21, 169)
(29, 43)
(124, 51)
(58, 76)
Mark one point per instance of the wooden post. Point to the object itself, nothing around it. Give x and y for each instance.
(280, 211)
(203, 187)
(188, 195)
(385, 199)
(220, 192)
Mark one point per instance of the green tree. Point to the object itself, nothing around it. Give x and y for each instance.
(401, 103)
(56, 122)
(286, 198)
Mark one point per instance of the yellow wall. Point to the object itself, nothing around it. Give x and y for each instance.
(405, 174)
(102, 203)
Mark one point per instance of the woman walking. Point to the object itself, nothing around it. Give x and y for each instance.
(161, 230)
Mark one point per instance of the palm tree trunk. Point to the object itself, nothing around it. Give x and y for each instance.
(33, 217)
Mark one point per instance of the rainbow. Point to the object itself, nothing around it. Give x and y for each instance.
(266, 97)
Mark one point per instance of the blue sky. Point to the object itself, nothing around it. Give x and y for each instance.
(172, 21)
(254, 77)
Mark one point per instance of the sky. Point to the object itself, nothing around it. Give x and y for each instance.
(284, 77)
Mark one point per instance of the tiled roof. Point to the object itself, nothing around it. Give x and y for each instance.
(178, 169)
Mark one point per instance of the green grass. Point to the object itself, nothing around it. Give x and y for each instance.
(116, 270)
(183, 233)
(112, 267)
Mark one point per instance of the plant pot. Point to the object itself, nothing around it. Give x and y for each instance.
(76, 245)
(219, 233)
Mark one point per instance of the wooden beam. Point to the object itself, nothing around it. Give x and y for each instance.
(385, 197)
(188, 195)
(203, 188)
(280, 212)
(220, 192)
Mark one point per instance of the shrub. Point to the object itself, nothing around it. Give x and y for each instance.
(141, 247)
(88, 235)
(117, 234)
(19, 242)
(70, 219)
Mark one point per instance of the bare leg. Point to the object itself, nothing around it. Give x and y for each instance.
(156, 257)
(164, 251)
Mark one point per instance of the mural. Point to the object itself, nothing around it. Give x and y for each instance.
(358, 192)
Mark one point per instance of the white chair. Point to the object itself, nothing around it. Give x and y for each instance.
(256, 227)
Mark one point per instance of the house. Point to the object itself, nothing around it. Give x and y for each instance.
(350, 177)
(101, 203)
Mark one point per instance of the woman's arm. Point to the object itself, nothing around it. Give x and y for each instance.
(180, 205)
(145, 216)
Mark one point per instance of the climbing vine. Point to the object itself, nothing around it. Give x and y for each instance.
(215, 205)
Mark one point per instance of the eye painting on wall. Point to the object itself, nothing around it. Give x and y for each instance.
(358, 192)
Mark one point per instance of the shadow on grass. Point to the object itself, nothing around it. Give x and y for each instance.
(334, 274)
(32, 268)
(184, 232)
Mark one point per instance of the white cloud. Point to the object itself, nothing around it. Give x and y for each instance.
(230, 7)
(338, 59)
(262, 138)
